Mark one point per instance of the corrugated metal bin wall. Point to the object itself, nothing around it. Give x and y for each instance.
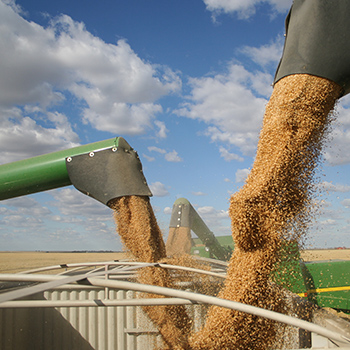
(81, 328)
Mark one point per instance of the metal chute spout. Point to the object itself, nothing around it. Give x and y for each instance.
(103, 170)
(317, 41)
(113, 172)
(185, 216)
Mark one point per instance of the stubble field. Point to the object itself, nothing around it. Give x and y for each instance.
(13, 262)
(325, 254)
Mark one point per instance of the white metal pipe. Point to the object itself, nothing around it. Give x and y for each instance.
(214, 301)
(176, 293)
(130, 321)
(83, 312)
(112, 325)
(93, 322)
(93, 303)
(7, 277)
(122, 263)
(223, 303)
(213, 261)
(120, 313)
(86, 264)
(101, 316)
(190, 269)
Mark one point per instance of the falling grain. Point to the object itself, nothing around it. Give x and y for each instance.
(140, 233)
(272, 207)
(179, 241)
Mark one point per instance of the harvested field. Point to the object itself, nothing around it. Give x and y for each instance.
(325, 254)
(12, 262)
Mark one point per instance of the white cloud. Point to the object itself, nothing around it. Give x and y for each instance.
(17, 8)
(40, 66)
(213, 219)
(162, 132)
(262, 84)
(346, 203)
(115, 83)
(26, 63)
(121, 118)
(22, 137)
(327, 186)
(156, 149)
(84, 222)
(228, 104)
(337, 151)
(26, 206)
(208, 211)
(241, 175)
(233, 103)
(199, 193)
(22, 221)
(23, 212)
(158, 189)
(224, 153)
(150, 159)
(265, 55)
(328, 222)
(173, 157)
(168, 210)
(280, 5)
(84, 212)
(246, 8)
(71, 202)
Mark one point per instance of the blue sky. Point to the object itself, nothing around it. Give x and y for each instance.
(185, 82)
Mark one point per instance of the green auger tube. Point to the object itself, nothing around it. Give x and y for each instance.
(103, 170)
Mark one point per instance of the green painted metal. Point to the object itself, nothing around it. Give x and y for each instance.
(44, 172)
(288, 273)
(328, 283)
(325, 283)
(184, 215)
(199, 249)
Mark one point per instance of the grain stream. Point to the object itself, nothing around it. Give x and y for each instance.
(140, 233)
(273, 206)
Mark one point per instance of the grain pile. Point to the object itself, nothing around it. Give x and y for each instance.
(140, 233)
(272, 206)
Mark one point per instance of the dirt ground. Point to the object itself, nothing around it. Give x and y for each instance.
(12, 262)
